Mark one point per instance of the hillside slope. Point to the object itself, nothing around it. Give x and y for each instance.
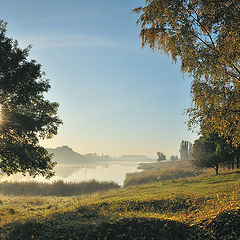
(204, 207)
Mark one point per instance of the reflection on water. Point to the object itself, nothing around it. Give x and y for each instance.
(114, 171)
(111, 172)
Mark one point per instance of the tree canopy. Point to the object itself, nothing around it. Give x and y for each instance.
(174, 158)
(25, 115)
(161, 156)
(205, 37)
(212, 151)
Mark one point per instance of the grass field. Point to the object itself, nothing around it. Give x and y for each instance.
(161, 171)
(203, 207)
(163, 165)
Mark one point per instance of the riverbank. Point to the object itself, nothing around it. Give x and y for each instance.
(203, 207)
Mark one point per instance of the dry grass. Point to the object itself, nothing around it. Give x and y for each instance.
(58, 188)
(197, 206)
(185, 164)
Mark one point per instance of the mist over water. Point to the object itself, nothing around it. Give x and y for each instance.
(115, 172)
(112, 171)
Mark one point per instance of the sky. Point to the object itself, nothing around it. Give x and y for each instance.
(115, 97)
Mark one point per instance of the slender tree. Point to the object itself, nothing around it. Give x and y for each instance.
(185, 150)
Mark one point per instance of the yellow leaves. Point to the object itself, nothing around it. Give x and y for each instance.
(209, 49)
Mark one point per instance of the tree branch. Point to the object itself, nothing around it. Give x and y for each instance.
(200, 25)
(236, 68)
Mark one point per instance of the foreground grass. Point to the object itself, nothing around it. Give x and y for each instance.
(204, 207)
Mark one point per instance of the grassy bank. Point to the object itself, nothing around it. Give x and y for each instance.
(157, 176)
(161, 171)
(204, 207)
(166, 165)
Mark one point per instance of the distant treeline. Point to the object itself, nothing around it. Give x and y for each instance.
(57, 188)
(65, 155)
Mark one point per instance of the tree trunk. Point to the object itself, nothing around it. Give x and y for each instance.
(216, 169)
(232, 165)
(238, 162)
(229, 167)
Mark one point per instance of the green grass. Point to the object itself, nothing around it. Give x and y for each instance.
(158, 175)
(181, 164)
(161, 171)
(203, 207)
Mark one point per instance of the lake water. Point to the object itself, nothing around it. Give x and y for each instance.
(115, 172)
(112, 171)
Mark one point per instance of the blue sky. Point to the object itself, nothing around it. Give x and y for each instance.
(115, 97)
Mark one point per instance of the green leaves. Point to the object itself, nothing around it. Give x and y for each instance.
(211, 151)
(26, 116)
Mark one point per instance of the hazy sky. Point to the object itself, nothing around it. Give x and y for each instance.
(115, 97)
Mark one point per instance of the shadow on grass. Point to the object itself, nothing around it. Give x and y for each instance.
(225, 226)
(157, 206)
(86, 223)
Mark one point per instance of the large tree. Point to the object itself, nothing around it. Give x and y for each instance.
(212, 151)
(25, 115)
(205, 37)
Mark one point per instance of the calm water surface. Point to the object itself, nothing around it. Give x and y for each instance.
(112, 171)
